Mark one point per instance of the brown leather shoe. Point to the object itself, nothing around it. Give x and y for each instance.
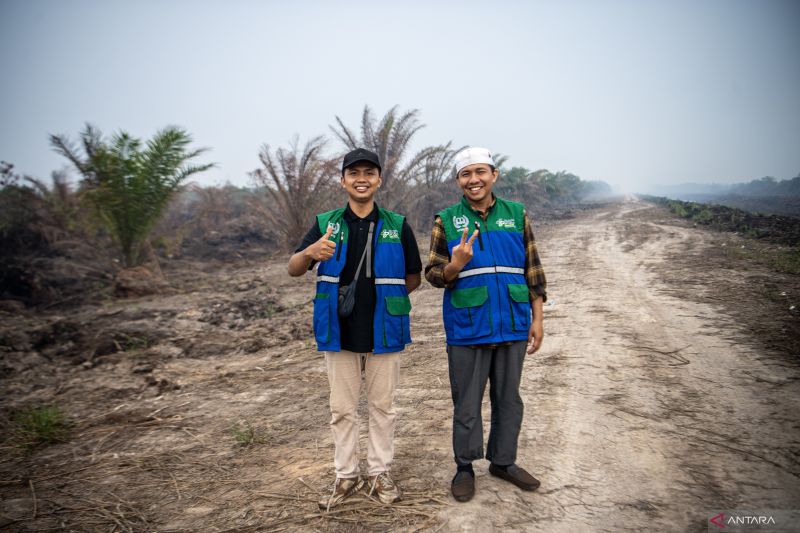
(343, 488)
(516, 475)
(463, 486)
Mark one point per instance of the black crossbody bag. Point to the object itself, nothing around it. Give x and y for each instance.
(347, 294)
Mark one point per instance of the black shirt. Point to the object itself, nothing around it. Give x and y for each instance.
(357, 329)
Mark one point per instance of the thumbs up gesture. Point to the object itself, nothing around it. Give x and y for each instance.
(462, 253)
(323, 249)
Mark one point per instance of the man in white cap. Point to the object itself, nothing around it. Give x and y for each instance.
(483, 253)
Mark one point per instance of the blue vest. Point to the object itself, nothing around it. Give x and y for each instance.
(490, 302)
(392, 305)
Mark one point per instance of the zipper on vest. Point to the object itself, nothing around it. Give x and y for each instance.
(497, 284)
(339, 248)
(480, 238)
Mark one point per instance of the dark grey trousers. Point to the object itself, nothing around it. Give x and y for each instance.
(470, 367)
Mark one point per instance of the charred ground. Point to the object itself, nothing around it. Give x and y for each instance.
(205, 407)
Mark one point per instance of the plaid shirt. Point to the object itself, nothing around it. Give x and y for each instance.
(439, 257)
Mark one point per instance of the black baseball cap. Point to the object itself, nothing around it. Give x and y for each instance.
(358, 155)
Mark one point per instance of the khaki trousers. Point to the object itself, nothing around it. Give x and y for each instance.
(381, 373)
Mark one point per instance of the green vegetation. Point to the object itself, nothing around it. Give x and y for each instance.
(133, 342)
(245, 434)
(774, 228)
(786, 261)
(128, 184)
(542, 187)
(41, 425)
(268, 311)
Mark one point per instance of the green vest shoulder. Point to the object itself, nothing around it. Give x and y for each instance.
(506, 215)
(333, 216)
(390, 231)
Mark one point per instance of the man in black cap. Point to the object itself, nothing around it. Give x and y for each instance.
(368, 263)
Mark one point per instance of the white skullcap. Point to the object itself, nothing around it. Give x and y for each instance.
(472, 155)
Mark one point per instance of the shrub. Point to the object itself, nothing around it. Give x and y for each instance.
(41, 425)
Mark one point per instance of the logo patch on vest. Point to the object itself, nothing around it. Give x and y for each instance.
(336, 227)
(460, 222)
(390, 234)
(506, 223)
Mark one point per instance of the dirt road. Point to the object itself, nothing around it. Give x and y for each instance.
(644, 410)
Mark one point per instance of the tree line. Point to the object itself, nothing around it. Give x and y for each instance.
(768, 186)
(138, 195)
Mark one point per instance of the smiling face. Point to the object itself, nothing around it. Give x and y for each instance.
(361, 181)
(476, 181)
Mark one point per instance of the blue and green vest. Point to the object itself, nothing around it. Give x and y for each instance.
(392, 305)
(490, 302)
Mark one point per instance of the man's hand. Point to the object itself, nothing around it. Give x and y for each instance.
(323, 249)
(460, 256)
(537, 334)
(462, 253)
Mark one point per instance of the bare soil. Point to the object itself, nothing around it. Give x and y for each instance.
(668, 387)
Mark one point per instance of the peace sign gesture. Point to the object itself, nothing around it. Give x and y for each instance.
(462, 253)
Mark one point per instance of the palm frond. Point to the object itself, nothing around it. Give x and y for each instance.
(62, 145)
(345, 135)
(295, 181)
(130, 183)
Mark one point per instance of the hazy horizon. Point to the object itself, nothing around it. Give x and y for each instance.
(633, 94)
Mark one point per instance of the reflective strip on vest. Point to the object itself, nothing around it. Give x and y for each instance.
(490, 270)
(390, 281)
(510, 270)
(329, 279)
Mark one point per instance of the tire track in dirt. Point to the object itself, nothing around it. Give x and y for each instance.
(642, 409)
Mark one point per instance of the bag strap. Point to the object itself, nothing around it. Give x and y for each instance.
(367, 253)
(369, 250)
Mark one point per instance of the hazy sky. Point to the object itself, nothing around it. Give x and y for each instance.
(626, 92)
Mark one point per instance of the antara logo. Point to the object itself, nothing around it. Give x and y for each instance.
(390, 234)
(750, 520)
(460, 222)
(506, 223)
(718, 520)
(741, 520)
(335, 227)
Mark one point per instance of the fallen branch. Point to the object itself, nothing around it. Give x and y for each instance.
(33, 497)
(671, 353)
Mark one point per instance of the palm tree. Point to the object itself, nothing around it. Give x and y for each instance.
(434, 187)
(129, 184)
(298, 185)
(390, 138)
(551, 185)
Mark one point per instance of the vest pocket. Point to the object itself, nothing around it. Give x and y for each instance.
(519, 301)
(472, 315)
(322, 317)
(396, 330)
